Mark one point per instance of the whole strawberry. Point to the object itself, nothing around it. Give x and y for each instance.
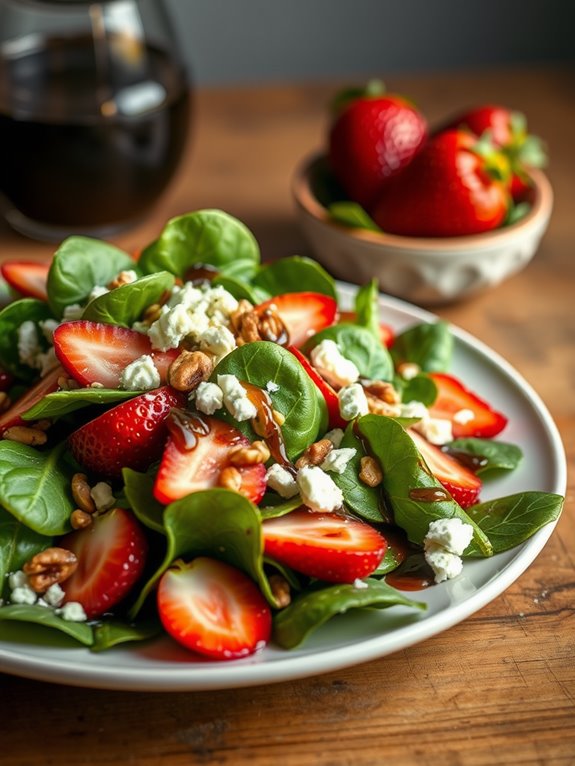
(456, 186)
(373, 137)
(508, 130)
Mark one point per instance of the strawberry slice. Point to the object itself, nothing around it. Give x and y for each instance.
(469, 415)
(111, 554)
(46, 385)
(328, 546)
(93, 352)
(197, 451)
(131, 434)
(214, 609)
(461, 483)
(386, 332)
(328, 393)
(27, 277)
(303, 314)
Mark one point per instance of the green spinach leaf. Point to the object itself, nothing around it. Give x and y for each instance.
(113, 632)
(61, 403)
(138, 490)
(353, 215)
(498, 456)
(360, 346)
(293, 275)
(11, 317)
(47, 618)
(125, 304)
(421, 388)
(367, 308)
(18, 544)
(430, 345)
(240, 289)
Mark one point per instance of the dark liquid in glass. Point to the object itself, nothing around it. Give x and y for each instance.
(89, 140)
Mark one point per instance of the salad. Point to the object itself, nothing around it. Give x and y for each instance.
(201, 445)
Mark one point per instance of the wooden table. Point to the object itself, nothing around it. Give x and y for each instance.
(496, 689)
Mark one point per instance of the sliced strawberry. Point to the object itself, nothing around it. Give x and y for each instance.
(303, 314)
(214, 609)
(328, 546)
(330, 396)
(197, 451)
(92, 352)
(461, 483)
(469, 415)
(46, 385)
(111, 554)
(27, 277)
(386, 332)
(130, 435)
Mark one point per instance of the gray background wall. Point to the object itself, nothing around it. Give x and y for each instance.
(252, 41)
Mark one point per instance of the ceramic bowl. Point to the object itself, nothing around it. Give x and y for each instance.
(421, 270)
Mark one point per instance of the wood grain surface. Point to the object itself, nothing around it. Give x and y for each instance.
(498, 688)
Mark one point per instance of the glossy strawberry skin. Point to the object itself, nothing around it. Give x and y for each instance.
(130, 435)
(329, 395)
(111, 555)
(27, 277)
(373, 140)
(213, 609)
(303, 313)
(453, 397)
(446, 191)
(328, 546)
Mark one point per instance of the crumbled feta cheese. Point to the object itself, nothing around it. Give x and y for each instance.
(209, 397)
(127, 276)
(435, 430)
(46, 361)
(218, 341)
(236, 399)
(47, 326)
(171, 327)
(17, 579)
(464, 416)
(72, 312)
(445, 565)
(101, 494)
(360, 584)
(281, 481)
(23, 594)
(352, 401)
(272, 387)
(28, 343)
(337, 459)
(452, 534)
(332, 365)
(54, 595)
(318, 490)
(409, 370)
(140, 375)
(335, 436)
(72, 611)
(414, 410)
(221, 302)
(96, 292)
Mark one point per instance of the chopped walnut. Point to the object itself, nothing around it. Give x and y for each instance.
(280, 590)
(230, 478)
(189, 369)
(315, 454)
(81, 493)
(80, 519)
(54, 565)
(381, 389)
(251, 325)
(123, 278)
(67, 384)
(257, 452)
(370, 473)
(34, 437)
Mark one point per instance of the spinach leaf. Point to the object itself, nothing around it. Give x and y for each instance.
(79, 265)
(46, 617)
(35, 487)
(404, 471)
(509, 521)
(360, 346)
(294, 275)
(209, 237)
(113, 632)
(11, 317)
(240, 289)
(428, 345)
(18, 544)
(138, 490)
(125, 304)
(297, 399)
(60, 403)
(499, 456)
(367, 308)
(273, 506)
(310, 610)
(352, 214)
(421, 388)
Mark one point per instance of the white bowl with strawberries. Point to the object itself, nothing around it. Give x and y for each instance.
(436, 215)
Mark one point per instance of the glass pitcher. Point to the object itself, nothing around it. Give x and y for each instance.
(94, 113)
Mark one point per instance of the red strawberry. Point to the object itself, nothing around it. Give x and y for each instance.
(303, 314)
(131, 434)
(330, 396)
(453, 398)
(111, 554)
(328, 546)
(386, 333)
(373, 138)
(27, 277)
(452, 188)
(92, 352)
(214, 609)
(46, 385)
(461, 483)
(507, 129)
(197, 450)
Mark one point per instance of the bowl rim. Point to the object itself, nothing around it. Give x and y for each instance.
(306, 200)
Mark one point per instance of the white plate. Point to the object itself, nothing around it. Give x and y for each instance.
(357, 636)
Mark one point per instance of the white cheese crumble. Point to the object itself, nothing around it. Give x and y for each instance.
(414, 410)
(318, 490)
(445, 565)
(464, 416)
(281, 481)
(272, 387)
(96, 292)
(72, 312)
(360, 584)
(218, 341)
(352, 401)
(23, 594)
(409, 370)
(444, 544)
(17, 579)
(209, 397)
(236, 399)
(72, 611)
(54, 595)
(335, 436)
(337, 459)
(436, 430)
(101, 494)
(140, 375)
(28, 343)
(332, 365)
(47, 326)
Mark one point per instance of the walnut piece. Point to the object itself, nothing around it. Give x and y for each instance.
(315, 454)
(80, 519)
(251, 325)
(81, 493)
(230, 478)
(257, 452)
(54, 565)
(189, 369)
(34, 437)
(280, 590)
(370, 473)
